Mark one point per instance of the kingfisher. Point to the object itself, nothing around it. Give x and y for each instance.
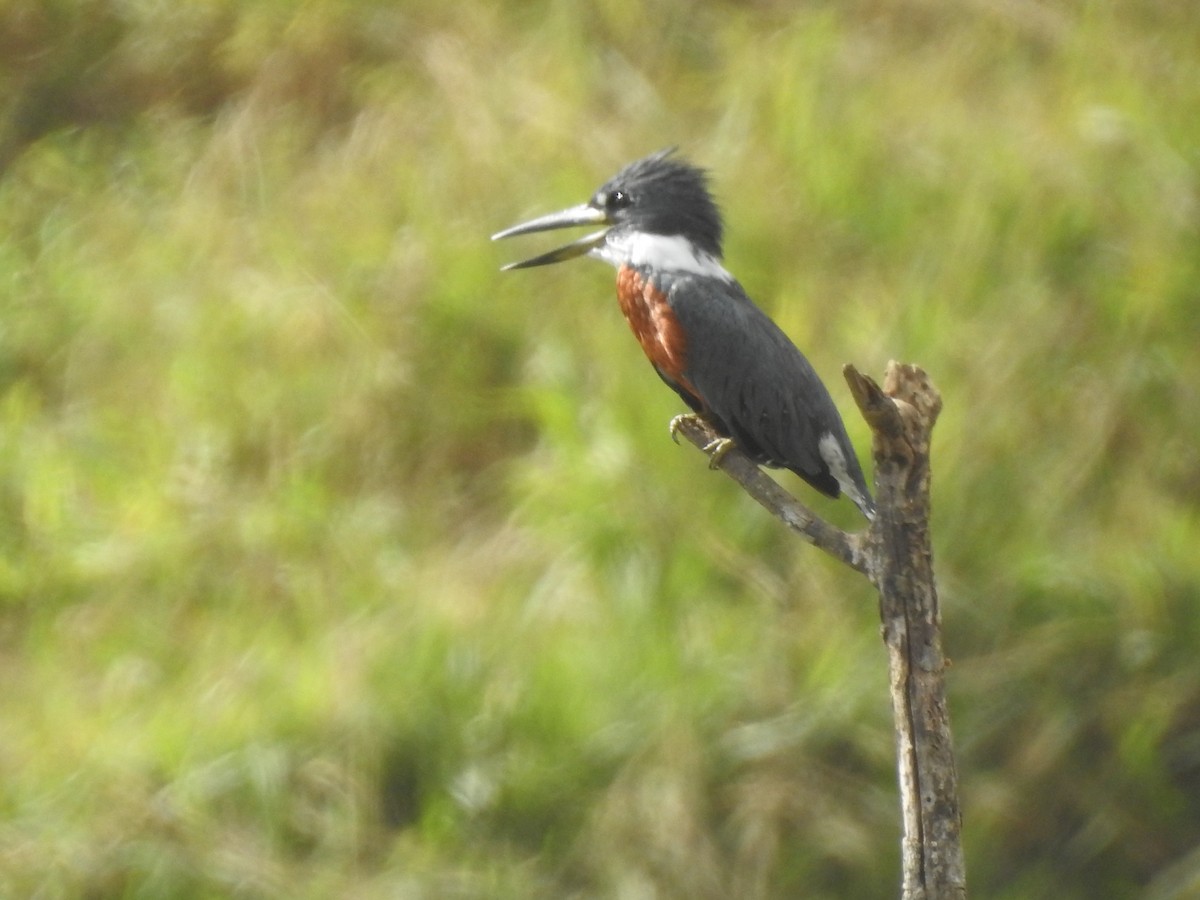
(728, 361)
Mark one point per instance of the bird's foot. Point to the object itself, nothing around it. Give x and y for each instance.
(716, 451)
(677, 423)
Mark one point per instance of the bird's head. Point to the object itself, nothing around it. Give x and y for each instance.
(655, 211)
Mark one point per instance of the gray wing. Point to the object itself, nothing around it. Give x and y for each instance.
(756, 382)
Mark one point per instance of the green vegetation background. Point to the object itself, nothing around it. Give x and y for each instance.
(335, 563)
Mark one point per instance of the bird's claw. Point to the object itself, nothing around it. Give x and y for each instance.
(716, 451)
(677, 423)
(716, 448)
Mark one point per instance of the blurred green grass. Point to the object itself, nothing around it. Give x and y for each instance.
(335, 563)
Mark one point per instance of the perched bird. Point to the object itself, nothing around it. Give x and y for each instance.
(706, 339)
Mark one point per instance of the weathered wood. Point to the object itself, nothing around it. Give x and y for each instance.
(900, 563)
(842, 546)
(895, 554)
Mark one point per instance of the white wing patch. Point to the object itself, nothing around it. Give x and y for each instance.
(831, 452)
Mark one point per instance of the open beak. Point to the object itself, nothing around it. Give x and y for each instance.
(567, 218)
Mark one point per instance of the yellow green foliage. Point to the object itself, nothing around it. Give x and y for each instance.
(335, 563)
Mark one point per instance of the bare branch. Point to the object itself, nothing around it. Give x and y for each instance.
(895, 554)
(901, 416)
(843, 546)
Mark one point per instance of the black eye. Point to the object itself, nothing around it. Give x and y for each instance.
(616, 200)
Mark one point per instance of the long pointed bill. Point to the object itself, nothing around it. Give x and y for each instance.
(567, 218)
